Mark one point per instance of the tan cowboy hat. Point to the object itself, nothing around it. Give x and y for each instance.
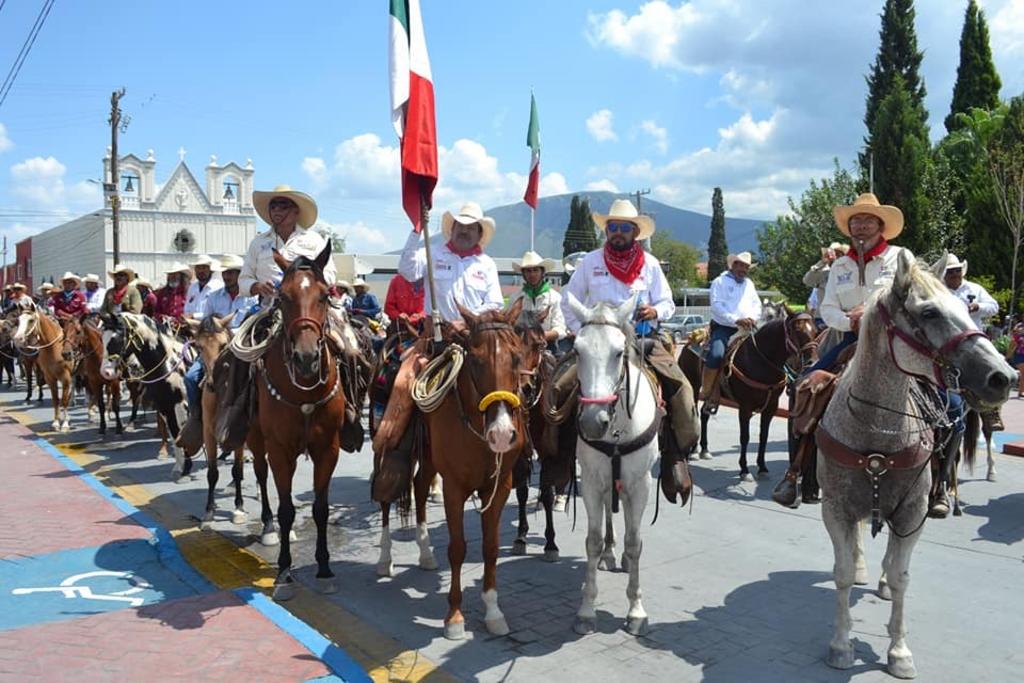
(469, 214)
(18, 285)
(949, 262)
(359, 282)
(207, 260)
(839, 247)
(307, 206)
(121, 268)
(742, 257)
(231, 262)
(68, 275)
(344, 284)
(142, 282)
(868, 203)
(532, 259)
(45, 287)
(623, 210)
(91, 277)
(178, 267)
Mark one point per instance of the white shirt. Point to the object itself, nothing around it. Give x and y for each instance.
(843, 292)
(197, 296)
(732, 300)
(471, 281)
(987, 306)
(591, 284)
(259, 263)
(220, 304)
(94, 299)
(551, 300)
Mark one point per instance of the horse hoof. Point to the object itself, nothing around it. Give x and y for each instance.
(239, 517)
(584, 626)
(745, 476)
(607, 563)
(902, 666)
(762, 473)
(497, 627)
(386, 569)
(162, 454)
(705, 455)
(636, 626)
(860, 577)
(991, 476)
(884, 592)
(518, 547)
(129, 429)
(551, 556)
(327, 585)
(839, 659)
(455, 630)
(624, 562)
(270, 539)
(428, 562)
(292, 536)
(55, 426)
(284, 591)
(561, 500)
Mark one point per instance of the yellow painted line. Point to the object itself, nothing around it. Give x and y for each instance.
(228, 566)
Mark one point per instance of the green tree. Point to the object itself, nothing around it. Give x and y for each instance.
(680, 259)
(897, 55)
(581, 233)
(791, 244)
(718, 247)
(977, 82)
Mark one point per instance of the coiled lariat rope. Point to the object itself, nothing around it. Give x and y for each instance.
(437, 379)
(244, 344)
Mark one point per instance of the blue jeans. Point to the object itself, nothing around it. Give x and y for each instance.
(829, 359)
(193, 377)
(719, 338)
(955, 412)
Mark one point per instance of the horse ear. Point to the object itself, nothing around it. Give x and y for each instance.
(581, 312)
(904, 268)
(939, 267)
(512, 312)
(281, 261)
(193, 324)
(225, 321)
(324, 256)
(467, 315)
(543, 314)
(624, 313)
(789, 311)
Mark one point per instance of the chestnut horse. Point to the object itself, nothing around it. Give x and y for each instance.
(41, 336)
(86, 338)
(301, 406)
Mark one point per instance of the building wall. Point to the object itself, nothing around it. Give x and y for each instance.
(23, 263)
(76, 246)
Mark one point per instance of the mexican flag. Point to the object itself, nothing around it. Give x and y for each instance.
(533, 142)
(412, 107)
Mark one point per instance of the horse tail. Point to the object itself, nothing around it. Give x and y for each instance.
(972, 424)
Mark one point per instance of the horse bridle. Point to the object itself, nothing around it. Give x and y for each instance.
(320, 342)
(918, 342)
(612, 398)
(511, 398)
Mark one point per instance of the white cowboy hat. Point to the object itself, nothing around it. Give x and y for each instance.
(17, 285)
(623, 210)
(68, 275)
(307, 206)
(891, 217)
(207, 260)
(532, 259)
(142, 282)
(231, 262)
(45, 287)
(91, 277)
(742, 257)
(178, 267)
(344, 284)
(121, 268)
(469, 214)
(950, 262)
(359, 282)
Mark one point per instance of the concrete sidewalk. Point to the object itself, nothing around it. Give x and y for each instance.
(93, 589)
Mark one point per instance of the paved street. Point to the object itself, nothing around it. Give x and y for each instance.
(736, 587)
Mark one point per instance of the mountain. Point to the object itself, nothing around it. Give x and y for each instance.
(512, 237)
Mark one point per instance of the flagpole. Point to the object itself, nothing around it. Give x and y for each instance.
(533, 214)
(435, 314)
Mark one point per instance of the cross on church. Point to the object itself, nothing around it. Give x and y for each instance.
(181, 154)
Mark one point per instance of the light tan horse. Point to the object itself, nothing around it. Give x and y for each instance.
(40, 335)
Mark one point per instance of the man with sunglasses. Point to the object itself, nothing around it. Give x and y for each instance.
(615, 274)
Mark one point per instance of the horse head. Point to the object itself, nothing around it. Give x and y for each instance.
(602, 343)
(801, 336)
(930, 334)
(303, 299)
(493, 365)
(210, 335)
(28, 323)
(115, 347)
(74, 338)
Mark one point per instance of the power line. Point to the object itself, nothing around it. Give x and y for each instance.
(26, 48)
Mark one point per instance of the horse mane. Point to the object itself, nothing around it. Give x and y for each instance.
(497, 316)
(529, 320)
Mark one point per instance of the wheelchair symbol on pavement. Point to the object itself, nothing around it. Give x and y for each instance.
(70, 590)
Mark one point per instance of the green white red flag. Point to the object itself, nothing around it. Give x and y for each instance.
(533, 142)
(412, 107)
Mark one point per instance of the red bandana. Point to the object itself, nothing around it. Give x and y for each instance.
(624, 265)
(475, 251)
(118, 294)
(871, 253)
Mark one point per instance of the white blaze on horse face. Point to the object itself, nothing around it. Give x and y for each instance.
(306, 283)
(108, 369)
(21, 335)
(501, 432)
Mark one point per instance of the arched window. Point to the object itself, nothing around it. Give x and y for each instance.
(229, 198)
(130, 190)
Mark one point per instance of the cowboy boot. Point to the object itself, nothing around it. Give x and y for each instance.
(992, 421)
(786, 491)
(675, 474)
(710, 389)
(939, 503)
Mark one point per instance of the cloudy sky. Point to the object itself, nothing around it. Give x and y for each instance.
(755, 96)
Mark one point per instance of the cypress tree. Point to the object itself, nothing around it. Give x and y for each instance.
(580, 234)
(718, 248)
(977, 82)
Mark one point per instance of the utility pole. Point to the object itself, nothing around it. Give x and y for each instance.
(638, 194)
(4, 271)
(115, 199)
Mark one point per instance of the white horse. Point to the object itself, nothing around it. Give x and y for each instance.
(915, 337)
(619, 414)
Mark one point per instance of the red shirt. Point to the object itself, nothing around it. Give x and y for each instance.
(404, 297)
(74, 305)
(170, 303)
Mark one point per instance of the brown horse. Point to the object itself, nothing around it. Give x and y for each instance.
(86, 338)
(26, 361)
(301, 406)
(755, 376)
(41, 336)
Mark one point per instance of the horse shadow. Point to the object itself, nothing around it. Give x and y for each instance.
(1004, 515)
(723, 484)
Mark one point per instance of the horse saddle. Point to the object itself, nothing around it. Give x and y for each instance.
(813, 394)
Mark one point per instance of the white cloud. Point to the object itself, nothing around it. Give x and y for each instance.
(1006, 24)
(658, 134)
(551, 184)
(5, 140)
(360, 237)
(603, 185)
(599, 125)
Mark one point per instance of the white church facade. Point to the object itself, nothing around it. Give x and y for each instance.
(175, 221)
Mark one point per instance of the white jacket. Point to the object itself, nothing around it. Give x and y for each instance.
(259, 265)
(196, 298)
(94, 299)
(732, 300)
(843, 292)
(592, 284)
(987, 306)
(551, 300)
(471, 281)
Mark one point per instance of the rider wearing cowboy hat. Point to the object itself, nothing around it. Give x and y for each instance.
(170, 299)
(537, 295)
(19, 297)
(229, 300)
(365, 302)
(122, 297)
(734, 304)
(404, 301)
(145, 288)
(202, 287)
(817, 275)
(93, 292)
(614, 274)
(43, 295)
(69, 302)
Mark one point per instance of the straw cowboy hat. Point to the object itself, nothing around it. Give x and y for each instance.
(91, 277)
(18, 285)
(344, 284)
(68, 275)
(307, 206)
(207, 260)
(178, 267)
(469, 214)
(359, 282)
(231, 262)
(742, 257)
(121, 268)
(948, 262)
(45, 287)
(142, 282)
(623, 210)
(891, 217)
(532, 259)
